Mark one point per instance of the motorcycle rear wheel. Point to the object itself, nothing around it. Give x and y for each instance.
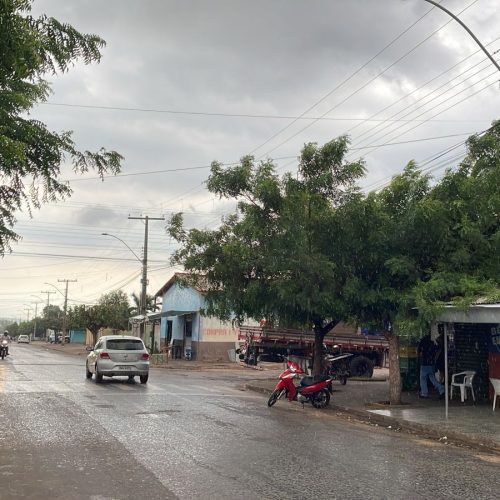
(274, 397)
(321, 399)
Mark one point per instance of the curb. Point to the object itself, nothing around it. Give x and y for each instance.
(444, 436)
(195, 368)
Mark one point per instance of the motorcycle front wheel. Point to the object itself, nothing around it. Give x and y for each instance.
(275, 396)
(321, 399)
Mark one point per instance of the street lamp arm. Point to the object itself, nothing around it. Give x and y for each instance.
(439, 6)
(50, 284)
(119, 239)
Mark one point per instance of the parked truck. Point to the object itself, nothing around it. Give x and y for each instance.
(268, 344)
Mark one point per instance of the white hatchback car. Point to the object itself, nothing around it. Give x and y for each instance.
(118, 355)
(23, 339)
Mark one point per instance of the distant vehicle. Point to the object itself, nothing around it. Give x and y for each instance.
(118, 355)
(23, 339)
(4, 348)
(52, 338)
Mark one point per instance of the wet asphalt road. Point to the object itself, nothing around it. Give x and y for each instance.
(193, 435)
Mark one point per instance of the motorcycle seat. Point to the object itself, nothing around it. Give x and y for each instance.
(306, 381)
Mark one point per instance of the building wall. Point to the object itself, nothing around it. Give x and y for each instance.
(77, 336)
(210, 340)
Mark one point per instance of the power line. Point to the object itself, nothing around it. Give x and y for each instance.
(369, 81)
(440, 112)
(425, 84)
(78, 257)
(408, 111)
(230, 115)
(352, 75)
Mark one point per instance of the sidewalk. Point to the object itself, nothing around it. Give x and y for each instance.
(477, 426)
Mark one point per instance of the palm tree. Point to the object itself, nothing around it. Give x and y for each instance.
(151, 305)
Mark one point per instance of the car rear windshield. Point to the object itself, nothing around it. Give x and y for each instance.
(125, 345)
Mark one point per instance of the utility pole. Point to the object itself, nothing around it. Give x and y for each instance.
(65, 308)
(48, 292)
(34, 325)
(144, 280)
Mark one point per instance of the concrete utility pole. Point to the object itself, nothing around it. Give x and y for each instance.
(48, 292)
(27, 310)
(144, 280)
(65, 308)
(34, 325)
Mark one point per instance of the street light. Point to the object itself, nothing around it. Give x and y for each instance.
(119, 239)
(144, 279)
(459, 21)
(50, 284)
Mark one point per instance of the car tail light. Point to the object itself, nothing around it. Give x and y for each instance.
(104, 355)
(145, 356)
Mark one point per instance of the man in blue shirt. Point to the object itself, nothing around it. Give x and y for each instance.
(427, 350)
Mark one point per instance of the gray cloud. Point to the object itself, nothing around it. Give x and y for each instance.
(233, 56)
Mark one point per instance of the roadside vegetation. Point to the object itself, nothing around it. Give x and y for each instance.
(311, 250)
(32, 156)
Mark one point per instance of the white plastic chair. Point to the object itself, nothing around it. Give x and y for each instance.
(495, 382)
(463, 380)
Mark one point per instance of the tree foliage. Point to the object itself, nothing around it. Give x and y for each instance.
(272, 259)
(151, 305)
(111, 311)
(31, 155)
(312, 250)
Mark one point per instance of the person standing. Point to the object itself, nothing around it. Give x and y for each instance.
(427, 354)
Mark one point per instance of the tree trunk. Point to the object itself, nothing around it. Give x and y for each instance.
(318, 353)
(320, 331)
(394, 370)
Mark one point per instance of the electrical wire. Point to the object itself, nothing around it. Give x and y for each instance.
(352, 75)
(371, 80)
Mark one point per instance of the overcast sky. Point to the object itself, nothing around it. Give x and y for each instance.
(182, 83)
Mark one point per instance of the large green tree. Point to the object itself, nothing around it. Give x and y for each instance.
(31, 156)
(420, 244)
(272, 259)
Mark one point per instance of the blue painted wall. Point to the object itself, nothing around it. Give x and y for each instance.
(77, 336)
(185, 300)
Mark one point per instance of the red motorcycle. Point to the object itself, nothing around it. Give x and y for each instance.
(314, 390)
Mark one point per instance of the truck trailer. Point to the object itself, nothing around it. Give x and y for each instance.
(261, 343)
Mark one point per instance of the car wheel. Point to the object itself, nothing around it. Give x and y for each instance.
(144, 379)
(98, 376)
(88, 373)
